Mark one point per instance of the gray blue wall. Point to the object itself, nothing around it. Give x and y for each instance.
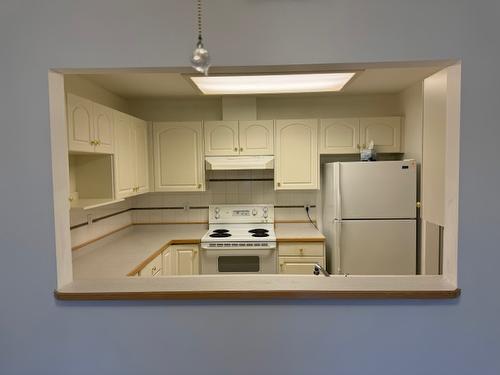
(39, 335)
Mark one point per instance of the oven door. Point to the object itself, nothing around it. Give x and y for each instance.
(238, 261)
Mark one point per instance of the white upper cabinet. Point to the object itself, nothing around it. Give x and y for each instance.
(256, 137)
(339, 136)
(142, 155)
(131, 156)
(178, 156)
(385, 132)
(103, 128)
(80, 124)
(90, 126)
(221, 138)
(297, 159)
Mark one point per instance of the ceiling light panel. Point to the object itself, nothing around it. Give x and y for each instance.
(272, 84)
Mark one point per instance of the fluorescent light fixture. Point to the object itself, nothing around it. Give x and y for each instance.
(272, 84)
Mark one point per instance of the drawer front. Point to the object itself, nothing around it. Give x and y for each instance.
(153, 268)
(299, 265)
(308, 249)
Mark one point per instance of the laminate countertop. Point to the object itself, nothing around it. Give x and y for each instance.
(120, 253)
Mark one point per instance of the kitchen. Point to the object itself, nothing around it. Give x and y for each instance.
(167, 181)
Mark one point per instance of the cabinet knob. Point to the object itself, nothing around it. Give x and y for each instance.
(419, 205)
(199, 186)
(92, 142)
(98, 142)
(241, 148)
(358, 146)
(236, 149)
(70, 199)
(364, 145)
(301, 251)
(279, 184)
(281, 266)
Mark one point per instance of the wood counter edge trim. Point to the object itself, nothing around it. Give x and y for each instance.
(77, 247)
(145, 262)
(259, 295)
(298, 239)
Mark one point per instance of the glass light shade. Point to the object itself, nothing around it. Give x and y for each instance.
(201, 60)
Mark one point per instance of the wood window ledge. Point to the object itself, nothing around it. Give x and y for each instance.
(260, 287)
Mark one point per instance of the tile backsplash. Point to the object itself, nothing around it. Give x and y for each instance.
(223, 187)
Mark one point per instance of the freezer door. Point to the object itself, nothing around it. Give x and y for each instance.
(378, 190)
(377, 247)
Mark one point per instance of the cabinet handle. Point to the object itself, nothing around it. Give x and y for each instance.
(70, 199)
(236, 149)
(279, 184)
(419, 205)
(97, 142)
(241, 148)
(199, 186)
(301, 251)
(92, 142)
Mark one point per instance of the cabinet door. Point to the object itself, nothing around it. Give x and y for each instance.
(299, 266)
(221, 138)
(167, 263)
(297, 159)
(256, 137)
(80, 125)
(125, 160)
(186, 260)
(178, 156)
(385, 132)
(103, 128)
(142, 155)
(339, 136)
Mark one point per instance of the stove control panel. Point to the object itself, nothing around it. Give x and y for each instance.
(234, 214)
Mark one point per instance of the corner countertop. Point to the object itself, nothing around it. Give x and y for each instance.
(120, 253)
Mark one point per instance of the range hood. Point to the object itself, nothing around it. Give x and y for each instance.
(239, 162)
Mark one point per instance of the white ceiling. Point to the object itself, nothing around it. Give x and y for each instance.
(162, 84)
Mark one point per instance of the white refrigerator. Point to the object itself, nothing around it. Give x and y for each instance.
(369, 217)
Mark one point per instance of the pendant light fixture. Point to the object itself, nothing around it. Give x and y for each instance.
(201, 59)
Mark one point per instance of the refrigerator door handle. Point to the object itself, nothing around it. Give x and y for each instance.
(337, 225)
(338, 195)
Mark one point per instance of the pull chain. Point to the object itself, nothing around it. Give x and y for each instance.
(199, 9)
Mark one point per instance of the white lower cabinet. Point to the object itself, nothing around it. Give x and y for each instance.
(181, 260)
(178, 156)
(153, 268)
(299, 258)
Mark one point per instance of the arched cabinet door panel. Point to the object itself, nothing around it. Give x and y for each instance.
(339, 136)
(385, 132)
(221, 138)
(296, 154)
(103, 128)
(256, 137)
(80, 124)
(178, 156)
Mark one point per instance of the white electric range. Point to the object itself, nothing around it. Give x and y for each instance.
(240, 240)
